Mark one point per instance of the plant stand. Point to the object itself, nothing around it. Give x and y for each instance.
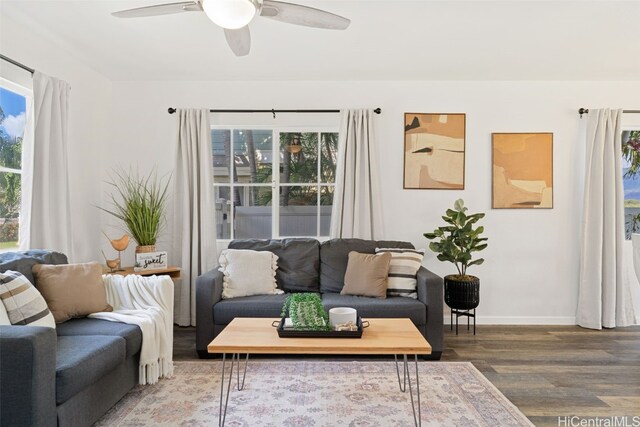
(462, 296)
(467, 313)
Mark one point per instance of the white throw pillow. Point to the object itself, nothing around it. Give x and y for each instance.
(22, 301)
(248, 272)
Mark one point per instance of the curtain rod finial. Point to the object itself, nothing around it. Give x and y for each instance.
(171, 110)
(582, 111)
(377, 110)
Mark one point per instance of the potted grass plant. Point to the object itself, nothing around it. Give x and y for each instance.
(456, 242)
(140, 202)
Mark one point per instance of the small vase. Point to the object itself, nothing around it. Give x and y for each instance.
(145, 249)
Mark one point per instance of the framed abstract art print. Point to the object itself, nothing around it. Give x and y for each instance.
(434, 151)
(522, 170)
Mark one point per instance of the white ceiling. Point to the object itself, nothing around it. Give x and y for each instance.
(387, 40)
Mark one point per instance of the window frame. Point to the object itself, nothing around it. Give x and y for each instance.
(28, 96)
(275, 184)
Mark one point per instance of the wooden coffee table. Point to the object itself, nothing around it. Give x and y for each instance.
(258, 336)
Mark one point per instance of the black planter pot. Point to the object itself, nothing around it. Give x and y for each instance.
(461, 294)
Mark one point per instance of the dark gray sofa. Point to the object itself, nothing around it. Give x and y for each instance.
(67, 377)
(306, 265)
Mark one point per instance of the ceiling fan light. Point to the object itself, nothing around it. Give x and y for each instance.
(230, 14)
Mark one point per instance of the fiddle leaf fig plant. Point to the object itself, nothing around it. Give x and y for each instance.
(456, 241)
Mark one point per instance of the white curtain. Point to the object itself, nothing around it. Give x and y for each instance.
(604, 298)
(194, 209)
(357, 210)
(45, 216)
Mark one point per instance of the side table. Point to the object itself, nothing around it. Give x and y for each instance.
(171, 271)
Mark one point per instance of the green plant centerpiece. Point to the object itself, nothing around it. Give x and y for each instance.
(140, 202)
(456, 242)
(306, 312)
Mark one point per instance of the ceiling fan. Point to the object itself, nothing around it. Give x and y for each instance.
(235, 15)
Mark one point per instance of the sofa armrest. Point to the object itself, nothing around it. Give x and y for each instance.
(431, 293)
(208, 293)
(27, 376)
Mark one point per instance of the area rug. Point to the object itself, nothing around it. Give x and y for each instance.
(317, 393)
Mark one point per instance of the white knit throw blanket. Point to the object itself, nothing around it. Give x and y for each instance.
(148, 303)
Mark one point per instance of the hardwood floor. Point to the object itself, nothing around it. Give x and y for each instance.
(546, 371)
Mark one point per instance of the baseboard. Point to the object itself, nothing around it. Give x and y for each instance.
(518, 320)
(522, 320)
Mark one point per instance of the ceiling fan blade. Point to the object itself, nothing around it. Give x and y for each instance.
(303, 15)
(239, 40)
(159, 9)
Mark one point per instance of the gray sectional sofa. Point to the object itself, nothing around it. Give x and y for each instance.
(69, 376)
(307, 265)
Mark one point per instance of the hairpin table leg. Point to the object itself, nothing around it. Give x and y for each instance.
(222, 415)
(240, 385)
(403, 388)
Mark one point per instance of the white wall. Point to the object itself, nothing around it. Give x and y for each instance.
(531, 269)
(89, 122)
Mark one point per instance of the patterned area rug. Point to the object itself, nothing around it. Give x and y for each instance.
(317, 393)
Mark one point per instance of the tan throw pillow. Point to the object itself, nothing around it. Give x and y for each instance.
(72, 290)
(366, 275)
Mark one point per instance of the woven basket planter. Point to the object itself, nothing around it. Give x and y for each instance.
(461, 294)
(145, 249)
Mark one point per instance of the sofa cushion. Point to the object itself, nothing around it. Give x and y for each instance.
(334, 255)
(254, 306)
(83, 360)
(389, 307)
(298, 261)
(86, 326)
(23, 261)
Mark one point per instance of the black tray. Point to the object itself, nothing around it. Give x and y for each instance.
(293, 333)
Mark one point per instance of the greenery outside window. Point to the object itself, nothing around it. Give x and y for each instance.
(273, 183)
(631, 179)
(13, 105)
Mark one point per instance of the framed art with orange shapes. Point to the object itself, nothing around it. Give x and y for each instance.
(522, 170)
(434, 151)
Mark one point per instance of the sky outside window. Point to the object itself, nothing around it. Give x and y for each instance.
(14, 107)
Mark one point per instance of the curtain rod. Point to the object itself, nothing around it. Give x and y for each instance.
(586, 111)
(272, 111)
(17, 64)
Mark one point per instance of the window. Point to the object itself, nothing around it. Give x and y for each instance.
(631, 180)
(272, 183)
(13, 106)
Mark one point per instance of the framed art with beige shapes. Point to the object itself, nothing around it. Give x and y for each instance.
(434, 151)
(522, 170)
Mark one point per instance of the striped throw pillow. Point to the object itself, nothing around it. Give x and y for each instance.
(403, 270)
(23, 302)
